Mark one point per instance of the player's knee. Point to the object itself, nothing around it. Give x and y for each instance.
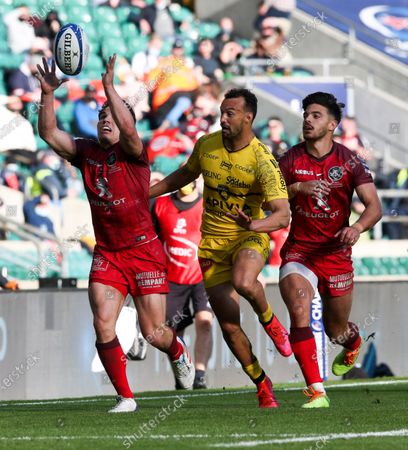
(204, 325)
(104, 328)
(243, 285)
(299, 311)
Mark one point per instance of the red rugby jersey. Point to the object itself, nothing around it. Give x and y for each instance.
(117, 186)
(179, 231)
(315, 222)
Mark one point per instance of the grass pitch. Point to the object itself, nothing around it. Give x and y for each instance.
(369, 415)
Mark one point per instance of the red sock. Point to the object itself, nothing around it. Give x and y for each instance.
(305, 351)
(354, 340)
(176, 349)
(114, 362)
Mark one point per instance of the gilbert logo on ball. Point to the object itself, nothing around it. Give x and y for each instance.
(71, 48)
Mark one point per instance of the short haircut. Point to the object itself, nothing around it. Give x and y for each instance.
(251, 102)
(106, 105)
(327, 100)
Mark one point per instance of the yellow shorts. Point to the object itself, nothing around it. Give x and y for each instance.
(217, 255)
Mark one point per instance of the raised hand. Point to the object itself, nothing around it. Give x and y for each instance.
(47, 78)
(241, 219)
(107, 77)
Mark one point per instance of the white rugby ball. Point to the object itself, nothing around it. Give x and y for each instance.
(71, 48)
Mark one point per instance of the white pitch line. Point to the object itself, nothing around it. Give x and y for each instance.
(323, 438)
(278, 438)
(204, 394)
(154, 436)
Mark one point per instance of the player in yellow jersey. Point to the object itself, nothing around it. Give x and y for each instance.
(240, 175)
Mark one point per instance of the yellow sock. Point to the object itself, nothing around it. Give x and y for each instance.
(254, 370)
(266, 316)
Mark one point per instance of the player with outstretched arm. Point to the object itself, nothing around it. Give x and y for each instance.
(128, 257)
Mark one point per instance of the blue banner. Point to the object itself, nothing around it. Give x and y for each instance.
(382, 26)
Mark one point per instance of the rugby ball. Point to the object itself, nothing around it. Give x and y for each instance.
(71, 48)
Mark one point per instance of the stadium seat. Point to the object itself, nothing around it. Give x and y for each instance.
(107, 30)
(129, 31)
(94, 63)
(374, 266)
(10, 61)
(111, 46)
(209, 30)
(392, 266)
(79, 2)
(78, 14)
(180, 13)
(104, 14)
(122, 13)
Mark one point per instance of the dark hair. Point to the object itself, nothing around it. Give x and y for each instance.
(327, 100)
(106, 105)
(251, 102)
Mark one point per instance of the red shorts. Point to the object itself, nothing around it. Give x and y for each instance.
(334, 271)
(138, 271)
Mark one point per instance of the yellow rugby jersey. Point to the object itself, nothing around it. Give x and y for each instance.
(245, 179)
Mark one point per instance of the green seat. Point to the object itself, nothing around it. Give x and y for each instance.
(374, 266)
(139, 44)
(122, 13)
(180, 13)
(209, 30)
(94, 62)
(166, 48)
(107, 30)
(109, 47)
(4, 47)
(78, 14)
(41, 145)
(129, 31)
(10, 61)
(65, 113)
(103, 14)
(393, 266)
(79, 2)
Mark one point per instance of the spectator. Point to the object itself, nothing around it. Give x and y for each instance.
(207, 67)
(173, 83)
(276, 138)
(9, 285)
(157, 19)
(22, 82)
(37, 212)
(270, 46)
(86, 114)
(275, 13)
(226, 34)
(20, 31)
(145, 61)
(49, 177)
(229, 58)
(10, 176)
(16, 131)
(50, 27)
(350, 136)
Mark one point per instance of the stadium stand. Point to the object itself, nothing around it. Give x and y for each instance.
(334, 55)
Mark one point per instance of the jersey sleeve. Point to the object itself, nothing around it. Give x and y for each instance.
(193, 163)
(79, 157)
(270, 177)
(361, 172)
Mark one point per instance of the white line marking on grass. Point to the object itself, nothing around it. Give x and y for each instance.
(327, 437)
(204, 394)
(278, 438)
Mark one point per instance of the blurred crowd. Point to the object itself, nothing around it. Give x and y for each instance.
(170, 66)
